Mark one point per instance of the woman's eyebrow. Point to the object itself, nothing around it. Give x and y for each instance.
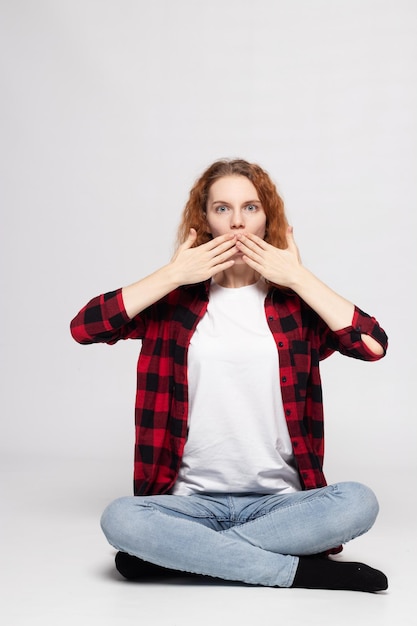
(245, 202)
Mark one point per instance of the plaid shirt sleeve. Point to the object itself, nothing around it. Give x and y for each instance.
(348, 341)
(104, 320)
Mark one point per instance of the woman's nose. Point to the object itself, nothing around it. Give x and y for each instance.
(237, 220)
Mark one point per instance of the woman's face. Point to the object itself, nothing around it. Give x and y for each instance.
(233, 206)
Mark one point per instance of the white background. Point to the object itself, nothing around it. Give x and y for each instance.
(109, 111)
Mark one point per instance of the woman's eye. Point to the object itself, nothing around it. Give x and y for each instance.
(251, 208)
(221, 209)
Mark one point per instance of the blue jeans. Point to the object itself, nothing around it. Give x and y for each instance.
(255, 539)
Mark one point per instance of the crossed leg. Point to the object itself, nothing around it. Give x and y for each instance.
(254, 539)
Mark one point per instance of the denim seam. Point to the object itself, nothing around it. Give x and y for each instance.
(159, 509)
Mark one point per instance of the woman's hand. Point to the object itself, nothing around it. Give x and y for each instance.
(193, 265)
(188, 266)
(280, 267)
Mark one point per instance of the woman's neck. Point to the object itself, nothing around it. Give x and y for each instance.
(237, 276)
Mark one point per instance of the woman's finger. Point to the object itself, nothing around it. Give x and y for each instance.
(221, 240)
(254, 240)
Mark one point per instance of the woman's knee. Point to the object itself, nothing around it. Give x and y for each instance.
(361, 503)
(115, 519)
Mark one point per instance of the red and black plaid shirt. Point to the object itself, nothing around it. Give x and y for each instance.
(165, 328)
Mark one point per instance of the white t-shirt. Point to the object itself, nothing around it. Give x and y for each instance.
(238, 439)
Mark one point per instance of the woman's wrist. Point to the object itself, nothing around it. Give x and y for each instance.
(300, 279)
(138, 296)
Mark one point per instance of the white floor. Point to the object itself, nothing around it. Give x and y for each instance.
(58, 569)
